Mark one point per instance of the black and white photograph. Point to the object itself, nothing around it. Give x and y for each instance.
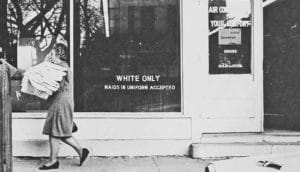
(150, 85)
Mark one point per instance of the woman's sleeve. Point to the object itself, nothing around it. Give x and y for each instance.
(12, 70)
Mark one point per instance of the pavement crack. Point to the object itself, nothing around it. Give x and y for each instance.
(154, 160)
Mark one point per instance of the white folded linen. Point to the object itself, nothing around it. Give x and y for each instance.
(43, 79)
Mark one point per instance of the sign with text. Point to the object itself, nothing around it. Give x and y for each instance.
(138, 82)
(230, 36)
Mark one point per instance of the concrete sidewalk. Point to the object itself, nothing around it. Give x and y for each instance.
(116, 164)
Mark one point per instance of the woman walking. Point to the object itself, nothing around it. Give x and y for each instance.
(59, 122)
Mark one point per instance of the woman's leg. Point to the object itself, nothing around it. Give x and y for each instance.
(74, 144)
(54, 149)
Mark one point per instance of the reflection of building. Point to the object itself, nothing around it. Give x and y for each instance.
(135, 16)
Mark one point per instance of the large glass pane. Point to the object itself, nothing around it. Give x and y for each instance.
(34, 26)
(230, 36)
(127, 56)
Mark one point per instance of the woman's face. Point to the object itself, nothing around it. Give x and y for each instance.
(53, 57)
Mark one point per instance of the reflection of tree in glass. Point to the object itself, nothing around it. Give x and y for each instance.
(91, 35)
(44, 20)
(91, 19)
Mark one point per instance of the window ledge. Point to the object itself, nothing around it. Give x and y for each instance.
(110, 115)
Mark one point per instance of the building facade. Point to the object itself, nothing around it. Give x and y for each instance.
(150, 77)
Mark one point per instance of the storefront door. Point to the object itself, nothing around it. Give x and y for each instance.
(232, 99)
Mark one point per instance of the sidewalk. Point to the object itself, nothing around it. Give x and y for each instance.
(116, 164)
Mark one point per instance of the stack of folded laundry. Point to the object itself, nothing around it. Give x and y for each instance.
(43, 79)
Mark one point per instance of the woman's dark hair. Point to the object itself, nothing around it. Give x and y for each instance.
(62, 51)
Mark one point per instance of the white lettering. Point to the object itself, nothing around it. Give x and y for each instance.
(222, 9)
(213, 9)
(127, 78)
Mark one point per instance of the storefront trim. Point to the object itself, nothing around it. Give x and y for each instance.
(110, 115)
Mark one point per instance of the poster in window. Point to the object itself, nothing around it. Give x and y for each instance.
(229, 36)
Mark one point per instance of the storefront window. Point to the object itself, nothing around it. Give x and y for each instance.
(127, 56)
(230, 36)
(34, 27)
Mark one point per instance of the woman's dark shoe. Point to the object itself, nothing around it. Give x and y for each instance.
(85, 153)
(53, 166)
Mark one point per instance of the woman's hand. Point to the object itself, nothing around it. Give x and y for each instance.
(3, 61)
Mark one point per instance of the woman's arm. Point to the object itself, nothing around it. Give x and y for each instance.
(13, 70)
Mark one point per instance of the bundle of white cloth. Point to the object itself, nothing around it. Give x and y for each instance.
(43, 79)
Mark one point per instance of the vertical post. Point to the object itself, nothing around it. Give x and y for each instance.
(5, 121)
(77, 60)
(106, 17)
(1, 119)
(4, 35)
